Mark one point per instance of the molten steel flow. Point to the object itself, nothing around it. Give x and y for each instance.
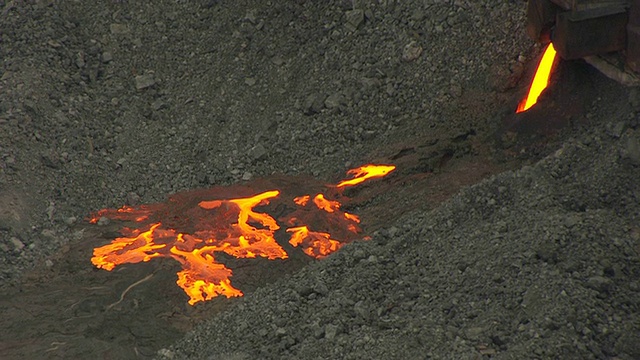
(540, 80)
(316, 244)
(191, 232)
(366, 172)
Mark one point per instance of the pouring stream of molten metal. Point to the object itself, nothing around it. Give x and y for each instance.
(540, 80)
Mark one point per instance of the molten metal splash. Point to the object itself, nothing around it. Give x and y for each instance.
(191, 234)
(540, 80)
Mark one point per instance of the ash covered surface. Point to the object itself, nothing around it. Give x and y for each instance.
(122, 102)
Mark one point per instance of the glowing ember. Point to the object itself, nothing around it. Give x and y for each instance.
(331, 206)
(202, 278)
(366, 172)
(540, 80)
(324, 204)
(302, 200)
(247, 241)
(316, 244)
(124, 213)
(192, 226)
(128, 250)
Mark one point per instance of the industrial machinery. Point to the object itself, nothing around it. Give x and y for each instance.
(605, 33)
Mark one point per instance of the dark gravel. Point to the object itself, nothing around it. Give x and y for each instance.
(123, 102)
(538, 263)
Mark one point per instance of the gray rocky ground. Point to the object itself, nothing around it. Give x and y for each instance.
(538, 263)
(124, 102)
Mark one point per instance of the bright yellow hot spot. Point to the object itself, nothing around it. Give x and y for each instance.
(540, 80)
(366, 172)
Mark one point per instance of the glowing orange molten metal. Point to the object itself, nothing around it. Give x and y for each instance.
(316, 244)
(248, 241)
(190, 231)
(540, 80)
(366, 172)
(128, 250)
(202, 278)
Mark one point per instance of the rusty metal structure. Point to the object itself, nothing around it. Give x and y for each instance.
(606, 33)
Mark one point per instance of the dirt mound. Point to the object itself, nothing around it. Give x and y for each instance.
(127, 102)
(538, 263)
